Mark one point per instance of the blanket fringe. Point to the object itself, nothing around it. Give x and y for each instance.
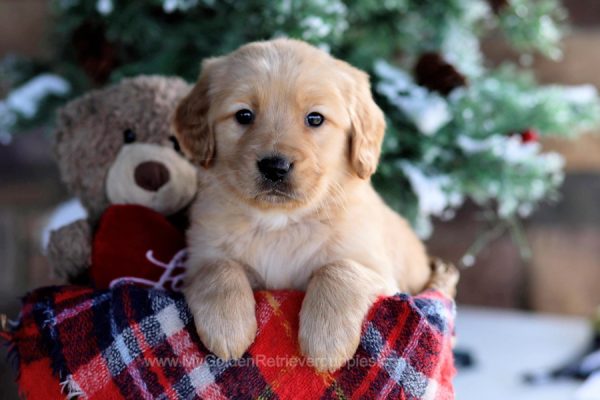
(72, 388)
(3, 323)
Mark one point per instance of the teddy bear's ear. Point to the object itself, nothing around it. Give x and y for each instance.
(83, 151)
(71, 114)
(191, 121)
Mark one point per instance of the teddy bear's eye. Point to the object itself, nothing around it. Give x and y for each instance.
(176, 146)
(129, 136)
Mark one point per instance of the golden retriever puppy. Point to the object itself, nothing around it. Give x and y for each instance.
(289, 137)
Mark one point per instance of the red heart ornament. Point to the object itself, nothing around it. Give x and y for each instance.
(138, 245)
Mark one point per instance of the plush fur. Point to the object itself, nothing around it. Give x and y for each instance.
(69, 249)
(98, 166)
(325, 230)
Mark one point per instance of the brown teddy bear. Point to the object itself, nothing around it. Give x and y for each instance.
(116, 146)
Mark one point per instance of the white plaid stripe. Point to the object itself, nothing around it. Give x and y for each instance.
(431, 391)
(169, 320)
(201, 377)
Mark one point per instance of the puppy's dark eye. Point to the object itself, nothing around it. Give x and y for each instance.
(314, 119)
(129, 136)
(244, 116)
(176, 146)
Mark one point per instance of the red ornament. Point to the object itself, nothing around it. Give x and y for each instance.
(529, 136)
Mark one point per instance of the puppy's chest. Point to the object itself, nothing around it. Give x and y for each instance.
(283, 256)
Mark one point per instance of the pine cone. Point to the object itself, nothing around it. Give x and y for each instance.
(498, 5)
(96, 55)
(436, 74)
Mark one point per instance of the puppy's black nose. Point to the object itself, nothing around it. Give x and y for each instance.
(274, 168)
(151, 175)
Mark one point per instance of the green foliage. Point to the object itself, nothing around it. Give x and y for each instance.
(534, 28)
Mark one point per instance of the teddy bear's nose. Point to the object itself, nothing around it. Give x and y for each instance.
(151, 175)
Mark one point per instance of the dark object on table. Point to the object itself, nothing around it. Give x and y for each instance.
(463, 359)
(581, 367)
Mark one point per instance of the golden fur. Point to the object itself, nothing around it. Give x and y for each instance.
(328, 232)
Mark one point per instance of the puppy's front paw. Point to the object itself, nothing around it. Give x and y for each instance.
(444, 277)
(221, 300)
(226, 326)
(328, 337)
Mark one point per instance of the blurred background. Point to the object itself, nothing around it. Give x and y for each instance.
(548, 264)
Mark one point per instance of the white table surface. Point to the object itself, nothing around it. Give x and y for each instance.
(507, 344)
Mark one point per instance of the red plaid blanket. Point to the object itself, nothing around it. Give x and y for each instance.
(137, 343)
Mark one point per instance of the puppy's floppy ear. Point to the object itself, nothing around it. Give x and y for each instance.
(193, 129)
(368, 125)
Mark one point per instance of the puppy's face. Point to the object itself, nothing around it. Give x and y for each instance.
(281, 123)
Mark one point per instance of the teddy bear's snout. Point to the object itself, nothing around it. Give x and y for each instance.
(151, 175)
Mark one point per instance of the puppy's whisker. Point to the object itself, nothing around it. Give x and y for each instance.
(324, 205)
(339, 195)
(319, 205)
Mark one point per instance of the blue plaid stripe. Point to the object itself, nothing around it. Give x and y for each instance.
(436, 312)
(372, 341)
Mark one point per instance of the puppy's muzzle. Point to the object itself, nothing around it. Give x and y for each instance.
(274, 168)
(151, 175)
